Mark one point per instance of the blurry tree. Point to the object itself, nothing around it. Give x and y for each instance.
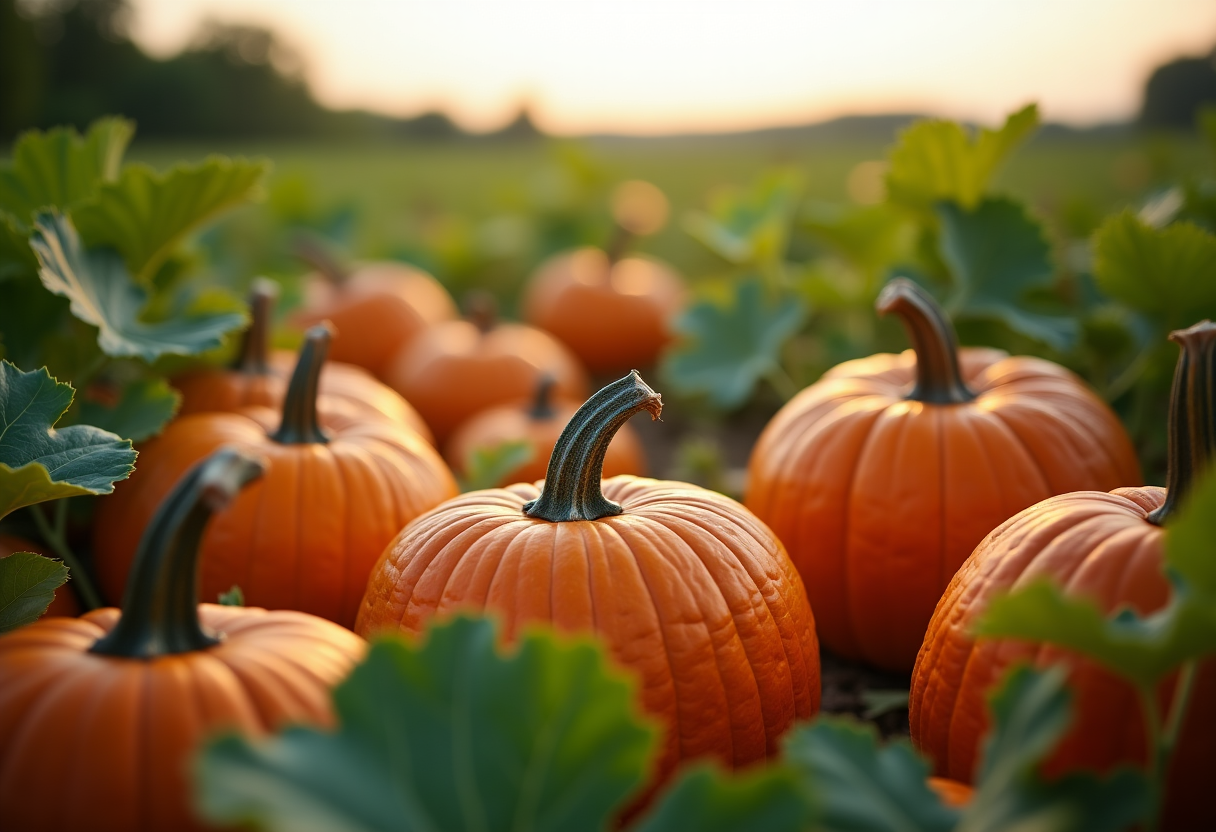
(1176, 90)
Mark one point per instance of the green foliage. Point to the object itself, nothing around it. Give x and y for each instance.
(234, 597)
(27, 587)
(16, 259)
(141, 411)
(750, 227)
(39, 463)
(707, 800)
(1190, 546)
(487, 467)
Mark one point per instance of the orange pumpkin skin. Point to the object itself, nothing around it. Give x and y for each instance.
(1097, 545)
(454, 370)
(952, 792)
(613, 316)
(65, 602)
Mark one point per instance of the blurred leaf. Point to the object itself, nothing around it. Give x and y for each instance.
(59, 168)
(450, 735)
(750, 227)
(1206, 119)
(103, 294)
(145, 215)
(29, 317)
(997, 255)
(705, 799)
(39, 463)
(879, 702)
(725, 351)
(1190, 546)
(860, 786)
(142, 409)
(488, 467)
(940, 160)
(1030, 712)
(1165, 273)
(16, 258)
(27, 587)
(871, 238)
(234, 597)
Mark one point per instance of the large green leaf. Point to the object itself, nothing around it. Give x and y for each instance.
(1190, 546)
(452, 735)
(145, 215)
(16, 258)
(997, 254)
(939, 160)
(725, 350)
(1164, 273)
(39, 463)
(27, 587)
(486, 467)
(61, 169)
(141, 411)
(749, 227)
(103, 294)
(705, 799)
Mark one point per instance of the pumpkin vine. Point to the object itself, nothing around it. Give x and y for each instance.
(938, 380)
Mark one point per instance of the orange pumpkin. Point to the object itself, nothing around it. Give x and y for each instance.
(100, 716)
(65, 602)
(336, 490)
(538, 423)
(688, 589)
(456, 369)
(1107, 547)
(259, 377)
(883, 476)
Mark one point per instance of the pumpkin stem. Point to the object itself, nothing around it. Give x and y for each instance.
(299, 425)
(255, 346)
(319, 258)
(618, 246)
(542, 405)
(572, 481)
(938, 380)
(481, 310)
(160, 605)
(1192, 422)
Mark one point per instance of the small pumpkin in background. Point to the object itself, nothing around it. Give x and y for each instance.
(687, 588)
(883, 476)
(1108, 547)
(378, 308)
(65, 601)
(456, 369)
(337, 489)
(100, 715)
(259, 376)
(539, 424)
(613, 311)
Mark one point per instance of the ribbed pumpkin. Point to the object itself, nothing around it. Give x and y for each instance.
(687, 588)
(883, 476)
(456, 369)
(1108, 547)
(100, 715)
(259, 377)
(539, 423)
(65, 602)
(336, 491)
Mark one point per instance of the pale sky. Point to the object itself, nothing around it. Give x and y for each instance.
(657, 66)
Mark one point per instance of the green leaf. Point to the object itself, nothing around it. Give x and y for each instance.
(1190, 546)
(997, 254)
(61, 169)
(1031, 711)
(27, 587)
(450, 735)
(16, 257)
(234, 597)
(39, 463)
(859, 786)
(142, 409)
(145, 215)
(879, 702)
(725, 351)
(871, 238)
(751, 226)
(1164, 273)
(487, 467)
(939, 160)
(705, 799)
(103, 294)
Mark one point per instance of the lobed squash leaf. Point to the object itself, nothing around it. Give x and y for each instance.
(487, 467)
(143, 408)
(27, 587)
(39, 463)
(706, 799)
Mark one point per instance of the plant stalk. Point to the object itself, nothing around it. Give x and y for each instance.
(56, 538)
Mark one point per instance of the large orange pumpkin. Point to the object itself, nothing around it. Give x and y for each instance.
(337, 489)
(259, 377)
(686, 587)
(65, 602)
(100, 716)
(1107, 547)
(882, 477)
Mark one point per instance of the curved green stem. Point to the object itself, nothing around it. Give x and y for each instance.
(1192, 424)
(300, 425)
(938, 380)
(542, 405)
(160, 605)
(253, 358)
(56, 538)
(572, 481)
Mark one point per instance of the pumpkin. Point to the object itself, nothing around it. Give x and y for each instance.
(1109, 548)
(952, 792)
(456, 369)
(687, 588)
(377, 307)
(65, 601)
(537, 423)
(336, 490)
(883, 476)
(100, 715)
(259, 377)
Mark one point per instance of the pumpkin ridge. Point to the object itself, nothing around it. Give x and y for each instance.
(91, 698)
(595, 620)
(1075, 436)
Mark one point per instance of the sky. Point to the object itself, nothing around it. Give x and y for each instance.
(662, 66)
